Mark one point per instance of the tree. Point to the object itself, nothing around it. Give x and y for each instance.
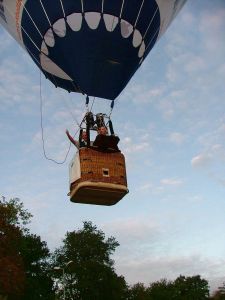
(13, 218)
(160, 290)
(189, 288)
(35, 254)
(183, 288)
(137, 292)
(23, 256)
(92, 275)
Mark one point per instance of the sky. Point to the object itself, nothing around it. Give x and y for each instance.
(171, 122)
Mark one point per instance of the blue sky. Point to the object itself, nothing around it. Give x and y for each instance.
(171, 121)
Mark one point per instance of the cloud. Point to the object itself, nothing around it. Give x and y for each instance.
(221, 70)
(166, 107)
(195, 64)
(135, 140)
(141, 93)
(134, 230)
(212, 161)
(146, 187)
(211, 27)
(17, 90)
(192, 67)
(171, 182)
(176, 138)
(54, 141)
(153, 268)
(214, 153)
(201, 160)
(161, 186)
(144, 255)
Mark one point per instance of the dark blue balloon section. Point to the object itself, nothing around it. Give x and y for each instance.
(99, 62)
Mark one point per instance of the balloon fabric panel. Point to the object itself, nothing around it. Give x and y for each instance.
(90, 46)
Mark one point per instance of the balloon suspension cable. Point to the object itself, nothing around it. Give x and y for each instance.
(86, 103)
(93, 122)
(111, 108)
(42, 131)
(69, 110)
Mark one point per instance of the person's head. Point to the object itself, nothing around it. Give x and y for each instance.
(103, 130)
(84, 136)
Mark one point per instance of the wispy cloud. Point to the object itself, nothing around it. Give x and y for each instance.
(171, 182)
(177, 138)
(211, 27)
(130, 146)
(141, 94)
(161, 186)
(134, 230)
(201, 160)
(152, 269)
(211, 161)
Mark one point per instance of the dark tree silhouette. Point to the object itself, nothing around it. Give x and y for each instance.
(12, 273)
(138, 292)
(189, 288)
(23, 256)
(91, 275)
(161, 290)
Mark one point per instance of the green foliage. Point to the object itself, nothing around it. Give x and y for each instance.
(183, 288)
(35, 254)
(13, 212)
(190, 288)
(161, 290)
(138, 292)
(91, 276)
(12, 274)
(91, 244)
(23, 256)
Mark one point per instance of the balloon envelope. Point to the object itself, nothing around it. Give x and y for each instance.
(89, 46)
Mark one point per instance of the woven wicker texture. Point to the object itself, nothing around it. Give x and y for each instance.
(103, 167)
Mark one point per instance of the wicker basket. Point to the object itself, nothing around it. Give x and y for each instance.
(102, 178)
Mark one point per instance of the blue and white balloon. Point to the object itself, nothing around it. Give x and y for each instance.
(88, 46)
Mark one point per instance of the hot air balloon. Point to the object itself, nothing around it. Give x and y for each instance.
(92, 47)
